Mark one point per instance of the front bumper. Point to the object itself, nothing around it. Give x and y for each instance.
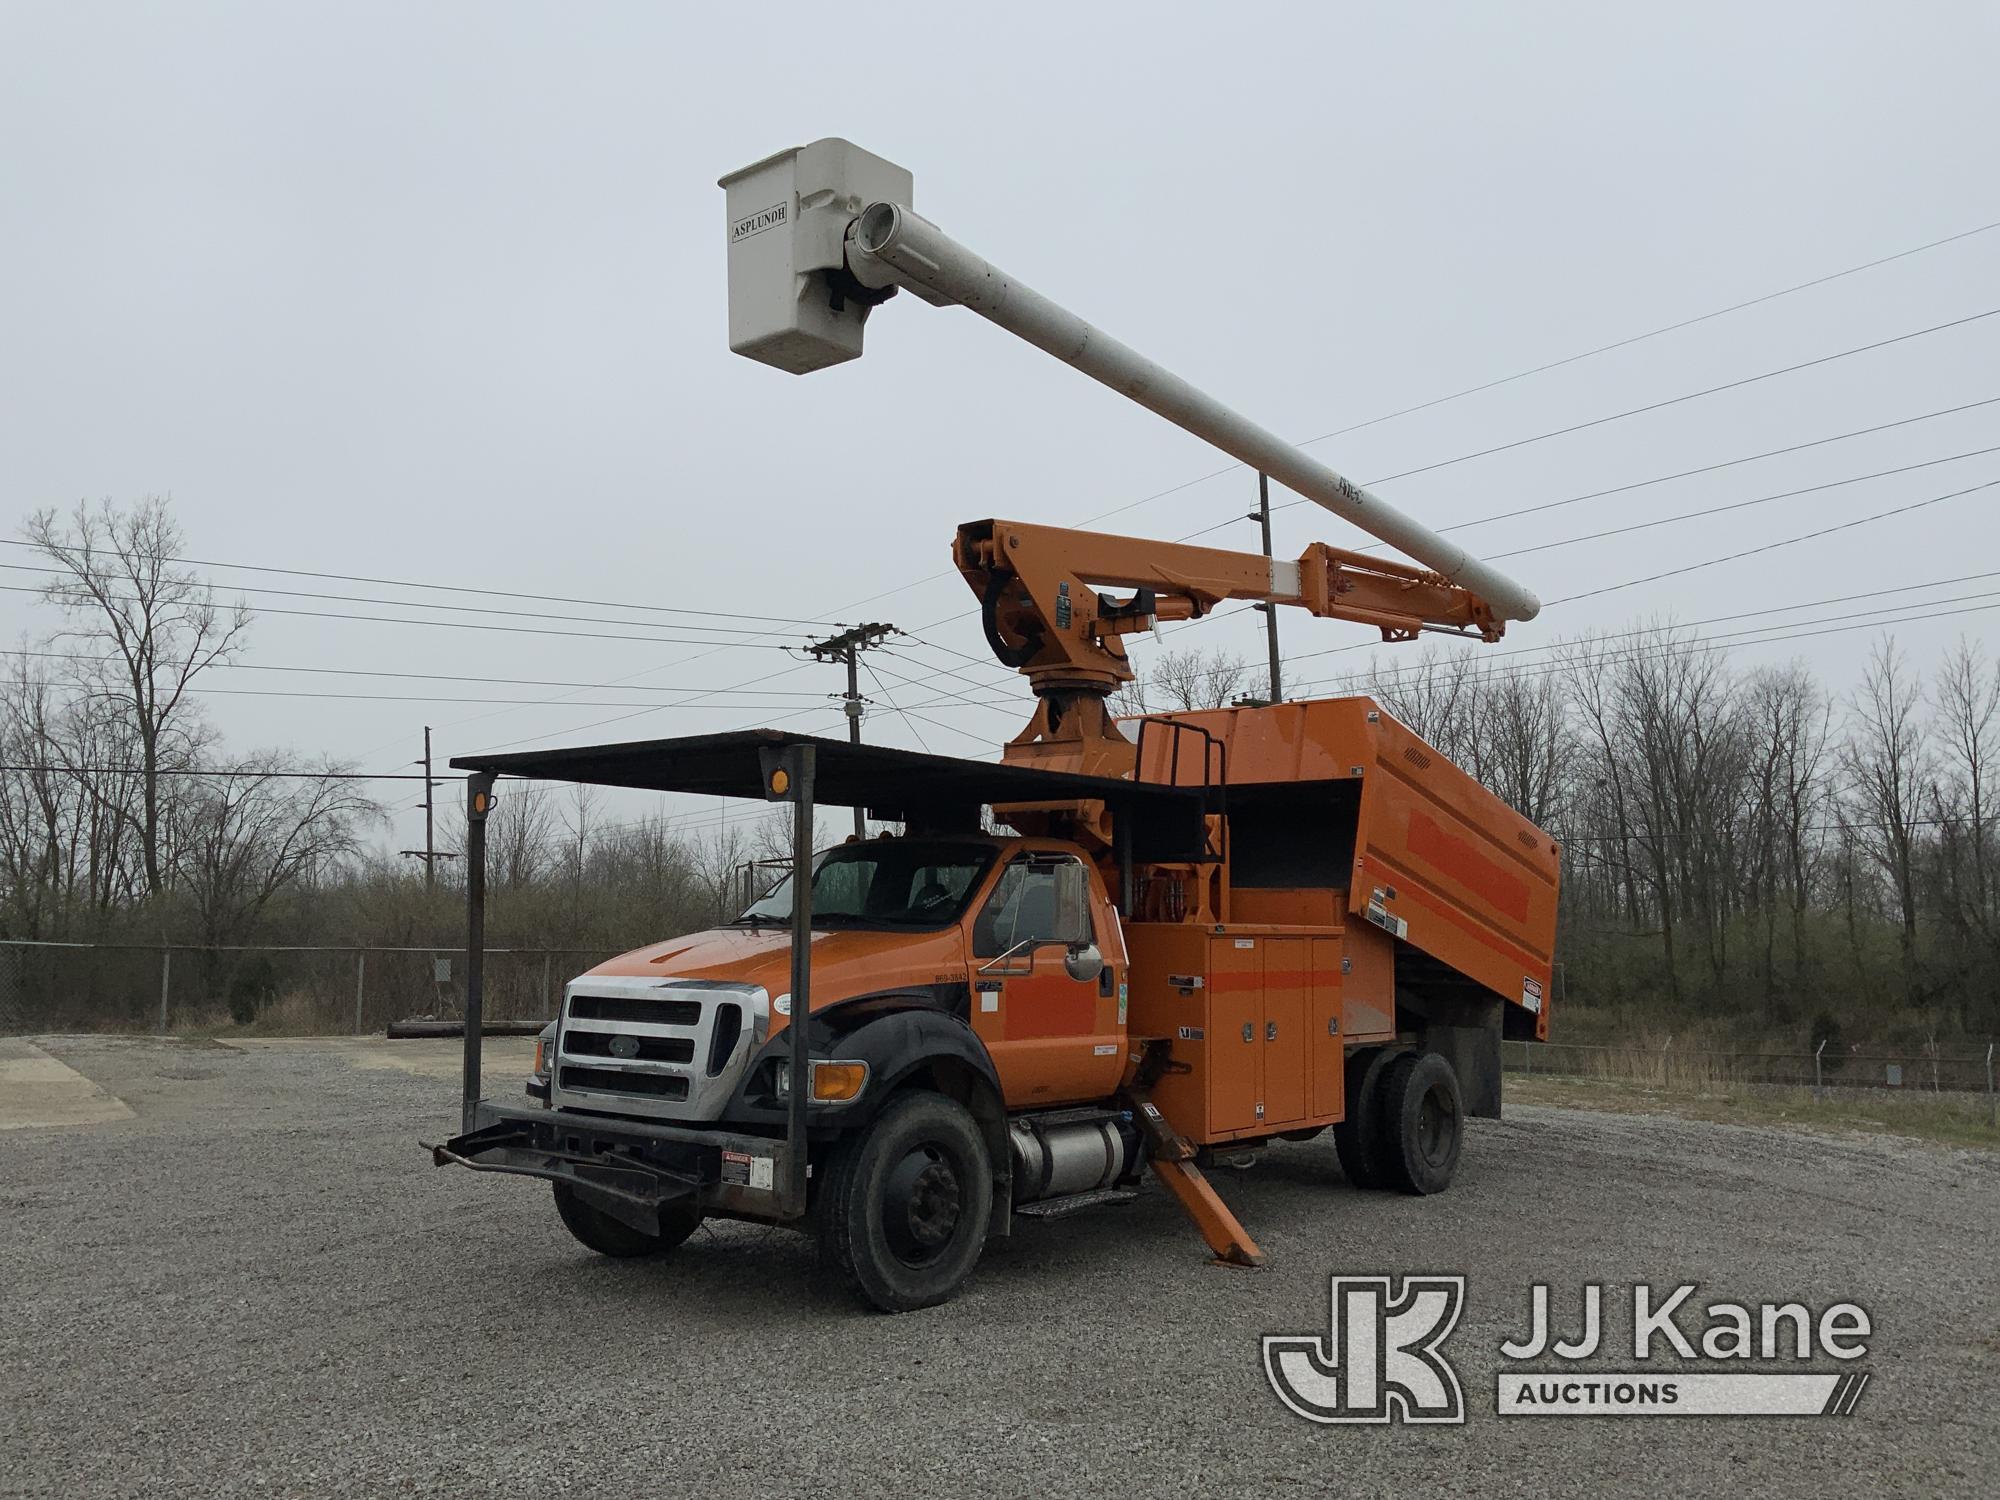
(629, 1169)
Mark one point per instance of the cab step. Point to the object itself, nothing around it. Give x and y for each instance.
(1058, 1208)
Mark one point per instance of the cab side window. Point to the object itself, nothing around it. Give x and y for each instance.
(1025, 906)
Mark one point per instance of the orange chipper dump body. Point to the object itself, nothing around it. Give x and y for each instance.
(1369, 890)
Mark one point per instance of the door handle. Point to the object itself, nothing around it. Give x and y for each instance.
(1270, 1031)
(1249, 1032)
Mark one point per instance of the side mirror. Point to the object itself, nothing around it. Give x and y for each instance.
(1072, 913)
(1083, 963)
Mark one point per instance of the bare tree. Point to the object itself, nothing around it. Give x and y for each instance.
(123, 588)
(1431, 694)
(1888, 761)
(66, 852)
(1527, 742)
(263, 827)
(1967, 699)
(1129, 699)
(1194, 679)
(520, 835)
(1788, 717)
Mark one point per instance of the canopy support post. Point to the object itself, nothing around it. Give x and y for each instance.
(478, 803)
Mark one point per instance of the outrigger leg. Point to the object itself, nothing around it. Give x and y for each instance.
(1172, 1158)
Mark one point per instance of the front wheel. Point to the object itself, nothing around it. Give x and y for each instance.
(904, 1208)
(596, 1229)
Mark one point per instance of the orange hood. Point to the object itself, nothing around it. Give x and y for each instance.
(845, 962)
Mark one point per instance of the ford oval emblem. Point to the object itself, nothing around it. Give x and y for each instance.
(625, 1046)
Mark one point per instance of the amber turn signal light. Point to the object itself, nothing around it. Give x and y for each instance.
(835, 1082)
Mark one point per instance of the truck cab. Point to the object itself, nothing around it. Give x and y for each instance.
(1014, 940)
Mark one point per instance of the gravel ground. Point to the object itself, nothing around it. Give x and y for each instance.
(259, 1285)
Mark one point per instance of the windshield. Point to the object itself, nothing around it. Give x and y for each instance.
(883, 883)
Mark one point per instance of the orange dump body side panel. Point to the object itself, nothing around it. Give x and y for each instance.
(1439, 862)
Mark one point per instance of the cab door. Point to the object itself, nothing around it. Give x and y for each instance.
(1054, 1038)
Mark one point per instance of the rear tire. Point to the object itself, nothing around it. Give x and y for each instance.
(1356, 1138)
(598, 1231)
(1423, 1123)
(906, 1205)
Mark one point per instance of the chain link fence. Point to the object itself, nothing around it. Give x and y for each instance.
(331, 990)
(1822, 1072)
(131, 987)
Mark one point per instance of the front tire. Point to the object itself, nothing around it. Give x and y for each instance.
(1423, 1123)
(598, 1231)
(905, 1207)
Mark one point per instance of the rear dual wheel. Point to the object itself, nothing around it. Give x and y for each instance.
(1356, 1137)
(1405, 1125)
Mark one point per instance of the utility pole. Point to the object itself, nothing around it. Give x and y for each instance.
(847, 647)
(1262, 515)
(429, 853)
(430, 801)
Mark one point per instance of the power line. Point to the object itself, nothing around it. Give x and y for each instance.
(448, 588)
(1651, 406)
(1789, 541)
(908, 717)
(427, 698)
(681, 703)
(58, 584)
(1640, 484)
(315, 614)
(1782, 631)
(955, 676)
(432, 676)
(1535, 671)
(1729, 385)
(211, 772)
(1716, 510)
(1571, 359)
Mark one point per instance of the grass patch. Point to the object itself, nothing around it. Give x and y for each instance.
(1944, 1119)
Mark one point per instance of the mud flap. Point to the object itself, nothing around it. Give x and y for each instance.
(1474, 1055)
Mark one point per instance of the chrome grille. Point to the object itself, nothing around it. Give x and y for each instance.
(664, 1048)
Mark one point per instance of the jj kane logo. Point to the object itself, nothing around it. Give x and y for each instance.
(1379, 1361)
(1382, 1358)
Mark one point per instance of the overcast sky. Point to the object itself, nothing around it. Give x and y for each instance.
(435, 293)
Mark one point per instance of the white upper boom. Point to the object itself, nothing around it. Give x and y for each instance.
(835, 245)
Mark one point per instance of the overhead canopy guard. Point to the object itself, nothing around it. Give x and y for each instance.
(1165, 822)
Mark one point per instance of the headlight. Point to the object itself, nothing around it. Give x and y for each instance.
(545, 1055)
